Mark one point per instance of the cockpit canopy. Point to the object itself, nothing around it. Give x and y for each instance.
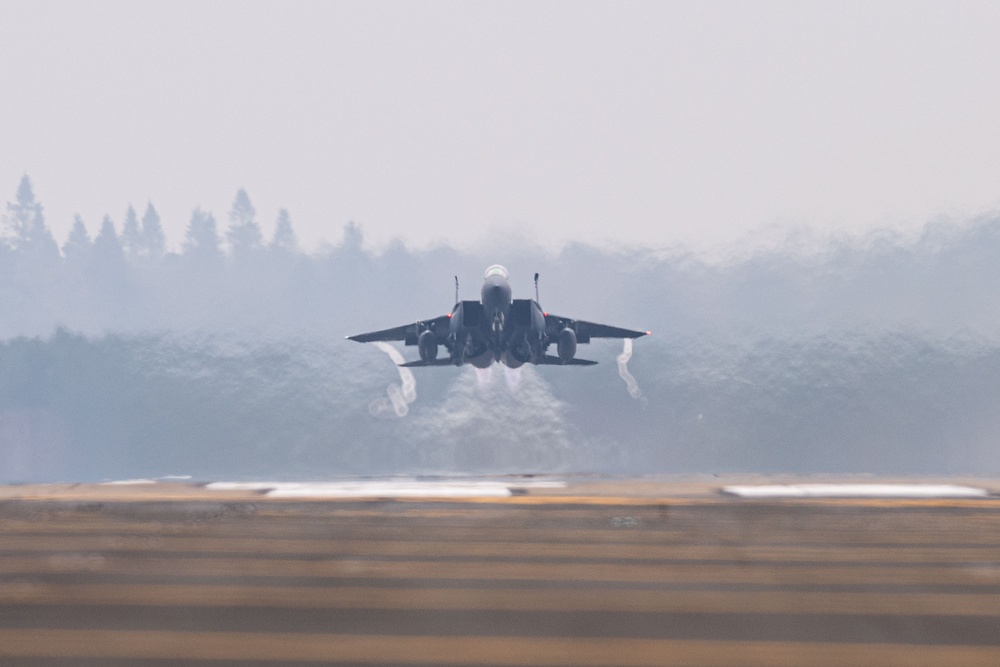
(496, 270)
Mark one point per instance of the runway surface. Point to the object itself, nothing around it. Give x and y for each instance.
(594, 573)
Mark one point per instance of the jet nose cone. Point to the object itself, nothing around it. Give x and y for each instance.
(496, 294)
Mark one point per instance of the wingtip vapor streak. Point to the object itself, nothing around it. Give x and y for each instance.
(498, 328)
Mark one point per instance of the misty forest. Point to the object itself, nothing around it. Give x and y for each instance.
(121, 356)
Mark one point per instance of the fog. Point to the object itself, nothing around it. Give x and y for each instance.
(226, 359)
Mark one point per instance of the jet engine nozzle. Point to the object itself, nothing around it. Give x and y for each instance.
(428, 346)
(511, 359)
(566, 344)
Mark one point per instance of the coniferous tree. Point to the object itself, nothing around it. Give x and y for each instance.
(107, 249)
(131, 238)
(284, 236)
(354, 236)
(244, 233)
(78, 247)
(27, 225)
(201, 241)
(350, 267)
(22, 212)
(112, 298)
(154, 242)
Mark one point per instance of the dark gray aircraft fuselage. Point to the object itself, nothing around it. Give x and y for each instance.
(496, 296)
(498, 328)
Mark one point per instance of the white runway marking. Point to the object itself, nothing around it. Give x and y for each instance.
(129, 482)
(403, 488)
(856, 491)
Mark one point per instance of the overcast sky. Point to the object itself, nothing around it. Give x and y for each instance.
(656, 123)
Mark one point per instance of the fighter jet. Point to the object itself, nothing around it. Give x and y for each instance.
(498, 329)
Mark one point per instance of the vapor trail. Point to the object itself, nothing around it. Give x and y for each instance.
(513, 377)
(484, 377)
(399, 397)
(630, 383)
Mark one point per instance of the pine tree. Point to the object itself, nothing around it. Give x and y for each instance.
(354, 236)
(202, 238)
(78, 247)
(27, 224)
(154, 242)
(284, 236)
(131, 238)
(107, 249)
(21, 213)
(244, 233)
(107, 271)
(107, 261)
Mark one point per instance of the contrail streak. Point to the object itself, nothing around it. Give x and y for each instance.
(630, 383)
(484, 377)
(399, 397)
(513, 377)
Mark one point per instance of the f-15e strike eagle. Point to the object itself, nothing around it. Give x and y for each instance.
(498, 329)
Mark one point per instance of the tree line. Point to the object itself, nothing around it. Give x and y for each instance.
(128, 279)
(941, 282)
(141, 239)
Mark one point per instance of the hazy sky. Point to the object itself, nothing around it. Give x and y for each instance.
(657, 123)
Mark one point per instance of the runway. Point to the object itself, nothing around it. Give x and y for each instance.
(607, 572)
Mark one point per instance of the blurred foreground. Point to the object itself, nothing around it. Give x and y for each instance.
(591, 572)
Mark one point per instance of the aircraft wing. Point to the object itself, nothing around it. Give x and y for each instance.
(407, 332)
(587, 330)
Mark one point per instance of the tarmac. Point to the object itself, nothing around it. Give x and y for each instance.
(562, 571)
